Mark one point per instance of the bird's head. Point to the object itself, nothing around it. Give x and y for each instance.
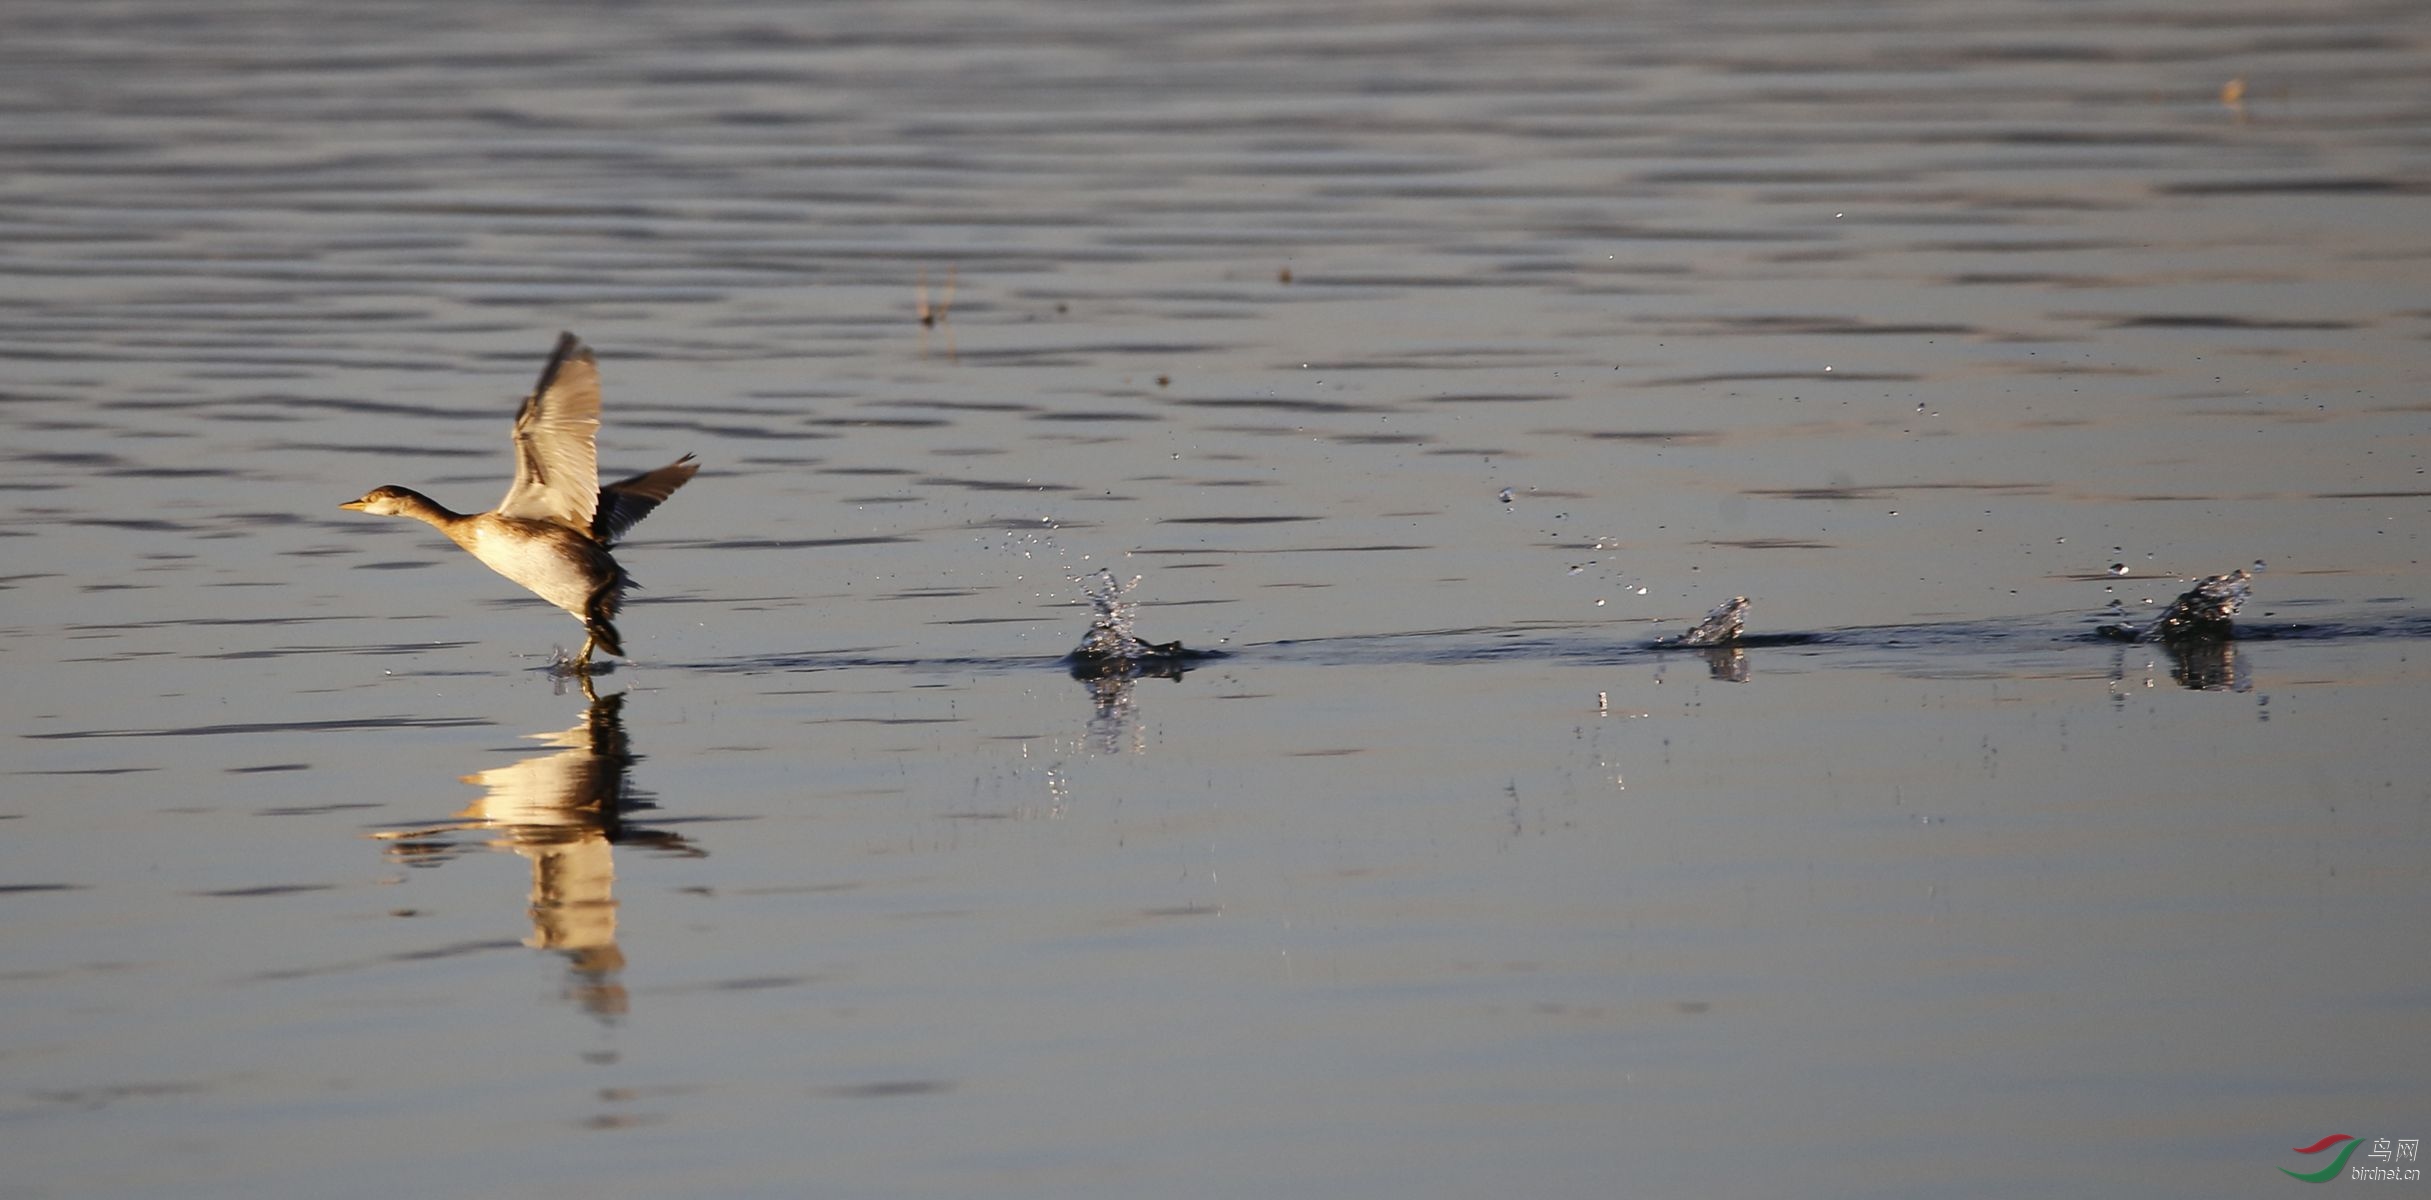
(385, 501)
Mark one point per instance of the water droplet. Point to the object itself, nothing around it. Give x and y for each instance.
(1506, 495)
(2118, 568)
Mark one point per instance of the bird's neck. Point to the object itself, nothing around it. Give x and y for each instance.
(411, 503)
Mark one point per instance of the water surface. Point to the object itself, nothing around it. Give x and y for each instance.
(1430, 361)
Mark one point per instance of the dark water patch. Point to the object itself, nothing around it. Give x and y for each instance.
(955, 406)
(1449, 358)
(1694, 437)
(877, 422)
(2021, 246)
(1494, 397)
(433, 954)
(386, 451)
(1772, 544)
(747, 433)
(1378, 548)
(2006, 279)
(1085, 351)
(1386, 281)
(63, 458)
(1282, 404)
(26, 888)
(244, 727)
(308, 810)
(1836, 492)
(123, 626)
(756, 983)
(92, 771)
(1733, 176)
(2299, 185)
(268, 768)
(1096, 415)
(1906, 649)
(135, 524)
(1262, 520)
(1601, 231)
(887, 722)
(1775, 376)
(995, 485)
(2068, 136)
(2012, 489)
(888, 1089)
(792, 544)
(2371, 495)
(267, 889)
(96, 1098)
(2220, 322)
(1819, 326)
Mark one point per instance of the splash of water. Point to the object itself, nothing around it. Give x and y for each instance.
(1110, 635)
(1720, 627)
(2201, 614)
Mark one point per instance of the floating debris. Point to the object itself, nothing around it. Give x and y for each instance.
(2202, 614)
(1721, 627)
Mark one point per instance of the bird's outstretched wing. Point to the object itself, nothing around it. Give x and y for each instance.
(556, 442)
(627, 501)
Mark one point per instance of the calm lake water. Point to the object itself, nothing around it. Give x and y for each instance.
(1431, 362)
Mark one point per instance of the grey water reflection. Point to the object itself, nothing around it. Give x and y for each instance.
(565, 812)
(1726, 664)
(2197, 666)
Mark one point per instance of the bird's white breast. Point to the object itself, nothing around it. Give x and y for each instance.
(553, 569)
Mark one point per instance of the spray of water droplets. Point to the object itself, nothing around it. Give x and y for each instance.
(1720, 627)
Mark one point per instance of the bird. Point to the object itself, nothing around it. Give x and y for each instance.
(553, 530)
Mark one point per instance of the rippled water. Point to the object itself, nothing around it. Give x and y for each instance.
(1436, 364)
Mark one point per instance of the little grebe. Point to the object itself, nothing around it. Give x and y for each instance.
(552, 532)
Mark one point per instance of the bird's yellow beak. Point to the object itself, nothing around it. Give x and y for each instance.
(356, 505)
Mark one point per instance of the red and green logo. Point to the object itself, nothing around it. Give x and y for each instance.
(2330, 1172)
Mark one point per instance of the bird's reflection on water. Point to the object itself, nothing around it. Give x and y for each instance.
(1114, 725)
(1727, 664)
(1111, 657)
(566, 811)
(2197, 666)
